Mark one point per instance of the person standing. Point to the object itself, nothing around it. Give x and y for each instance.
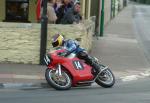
(72, 15)
(57, 5)
(51, 12)
(66, 5)
(38, 10)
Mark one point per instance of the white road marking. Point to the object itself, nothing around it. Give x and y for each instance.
(129, 78)
(136, 77)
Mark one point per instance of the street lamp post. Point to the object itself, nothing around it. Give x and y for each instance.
(102, 19)
(43, 32)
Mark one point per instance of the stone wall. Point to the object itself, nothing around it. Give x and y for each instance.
(20, 42)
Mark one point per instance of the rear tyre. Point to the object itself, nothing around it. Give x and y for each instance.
(63, 82)
(106, 79)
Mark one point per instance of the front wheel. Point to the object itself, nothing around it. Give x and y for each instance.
(106, 79)
(62, 82)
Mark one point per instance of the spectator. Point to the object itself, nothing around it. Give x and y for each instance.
(51, 12)
(57, 5)
(72, 15)
(39, 10)
(66, 4)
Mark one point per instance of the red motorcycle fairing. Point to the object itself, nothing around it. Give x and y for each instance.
(79, 70)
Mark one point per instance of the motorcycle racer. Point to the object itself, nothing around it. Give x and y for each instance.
(72, 46)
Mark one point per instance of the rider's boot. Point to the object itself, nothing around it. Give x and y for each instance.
(93, 64)
(96, 67)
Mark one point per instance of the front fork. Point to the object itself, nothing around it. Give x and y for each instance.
(58, 70)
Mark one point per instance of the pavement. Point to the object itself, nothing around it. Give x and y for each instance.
(119, 49)
(22, 75)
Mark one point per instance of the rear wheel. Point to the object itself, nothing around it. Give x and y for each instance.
(106, 79)
(58, 82)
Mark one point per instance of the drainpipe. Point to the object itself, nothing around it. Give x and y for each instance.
(98, 19)
(102, 19)
(114, 12)
(43, 33)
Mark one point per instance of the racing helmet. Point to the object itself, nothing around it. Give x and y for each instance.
(57, 40)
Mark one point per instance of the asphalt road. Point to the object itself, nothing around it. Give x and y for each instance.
(125, 92)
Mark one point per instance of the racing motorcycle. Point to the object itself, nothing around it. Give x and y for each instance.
(62, 72)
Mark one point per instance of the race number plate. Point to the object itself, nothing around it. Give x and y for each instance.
(47, 59)
(78, 65)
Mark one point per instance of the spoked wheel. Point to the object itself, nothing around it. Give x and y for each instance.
(58, 82)
(106, 79)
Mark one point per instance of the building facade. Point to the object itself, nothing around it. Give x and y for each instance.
(25, 10)
(20, 42)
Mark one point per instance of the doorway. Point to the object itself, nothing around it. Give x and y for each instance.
(17, 11)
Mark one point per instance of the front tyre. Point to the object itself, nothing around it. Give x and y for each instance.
(106, 79)
(62, 82)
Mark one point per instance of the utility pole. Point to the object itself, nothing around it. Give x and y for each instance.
(102, 19)
(113, 8)
(43, 32)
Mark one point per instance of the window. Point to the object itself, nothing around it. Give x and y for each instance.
(17, 10)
